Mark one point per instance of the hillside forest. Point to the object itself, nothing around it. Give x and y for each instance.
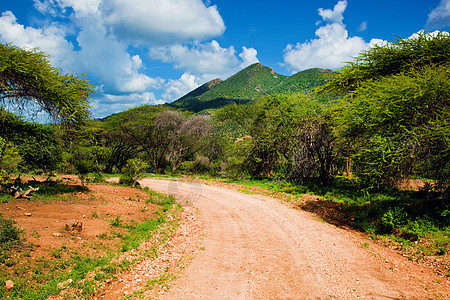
(356, 136)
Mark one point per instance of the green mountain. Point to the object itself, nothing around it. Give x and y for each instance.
(247, 85)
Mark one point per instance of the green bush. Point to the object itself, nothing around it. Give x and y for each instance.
(10, 235)
(132, 172)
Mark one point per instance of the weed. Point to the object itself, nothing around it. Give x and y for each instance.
(366, 245)
(35, 234)
(94, 214)
(117, 222)
(56, 253)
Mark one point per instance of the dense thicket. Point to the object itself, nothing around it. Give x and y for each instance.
(289, 136)
(36, 144)
(395, 109)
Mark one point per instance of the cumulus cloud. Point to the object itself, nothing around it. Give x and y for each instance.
(332, 47)
(205, 58)
(105, 104)
(175, 89)
(50, 39)
(440, 16)
(248, 56)
(335, 15)
(100, 54)
(167, 21)
(106, 38)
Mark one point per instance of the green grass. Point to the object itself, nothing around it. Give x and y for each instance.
(38, 279)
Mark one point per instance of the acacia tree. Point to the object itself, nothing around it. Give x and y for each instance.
(26, 76)
(395, 110)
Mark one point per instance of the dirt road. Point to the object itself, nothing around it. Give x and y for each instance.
(258, 248)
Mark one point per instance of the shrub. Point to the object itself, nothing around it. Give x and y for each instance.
(133, 171)
(10, 235)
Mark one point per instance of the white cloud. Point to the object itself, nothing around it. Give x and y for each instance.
(101, 55)
(248, 56)
(362, 26)
(332, 48)
(175, 89)
(94, 37)
(167, 21)
(440, 16)
(336, 15)
(50, 39)
(205, 58)
(107, 103)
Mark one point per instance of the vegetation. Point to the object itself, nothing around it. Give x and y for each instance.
(247, 85)
(88, 266)
(37, 146)
(387, 113)
(26, 76)
(10, 235)
(394, 115)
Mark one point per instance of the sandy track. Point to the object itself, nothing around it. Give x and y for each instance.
(258, 248)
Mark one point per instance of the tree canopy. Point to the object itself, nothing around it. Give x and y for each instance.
(27, 76)
(395, 108)
(397, 57)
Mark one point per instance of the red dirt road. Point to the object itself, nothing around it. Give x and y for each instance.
(258, 248)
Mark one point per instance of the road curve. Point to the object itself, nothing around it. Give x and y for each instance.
(258, 248)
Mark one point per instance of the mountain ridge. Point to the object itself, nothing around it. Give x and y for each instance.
(248, 85)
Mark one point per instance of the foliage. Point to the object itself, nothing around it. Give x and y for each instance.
(10, 235)
(133, 171)
(27, 76)
(37, 144)
(9, 157)
(394, 117)
(163, 137)
(248, 85)
(397, 57)
(314, 149)
(83, 162)
(290, 135)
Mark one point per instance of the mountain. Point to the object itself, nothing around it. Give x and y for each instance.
(247, 85)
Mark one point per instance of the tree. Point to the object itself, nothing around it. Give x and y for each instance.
(188, 135)
(26, 76)
(395, 110)
(36, 143)
(403, 55)
(314, 148)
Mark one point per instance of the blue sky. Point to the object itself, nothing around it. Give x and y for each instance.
(155, 51)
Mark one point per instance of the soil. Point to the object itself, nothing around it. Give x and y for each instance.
(44, 222)
(232, 245)
(258, 248)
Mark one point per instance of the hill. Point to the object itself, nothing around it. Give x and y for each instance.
(247, 85)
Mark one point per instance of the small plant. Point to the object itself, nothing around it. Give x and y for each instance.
(392, 219)
(94, 214)
(10, 235)
(117, 222)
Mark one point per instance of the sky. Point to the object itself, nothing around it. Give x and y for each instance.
(155, 51)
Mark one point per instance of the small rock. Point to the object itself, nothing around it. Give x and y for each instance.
(9, 284)
(28, 214)
(64, 284)
(84, 216)
(57, 234)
